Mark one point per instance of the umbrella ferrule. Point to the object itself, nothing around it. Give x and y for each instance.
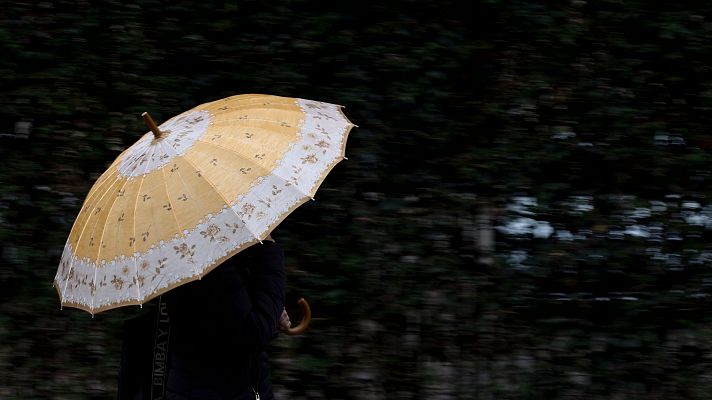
(152, 125)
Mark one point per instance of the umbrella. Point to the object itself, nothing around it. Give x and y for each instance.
(194, 191)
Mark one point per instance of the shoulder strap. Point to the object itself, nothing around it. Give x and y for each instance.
(160, 352)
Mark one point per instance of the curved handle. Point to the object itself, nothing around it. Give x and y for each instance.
(306, 319)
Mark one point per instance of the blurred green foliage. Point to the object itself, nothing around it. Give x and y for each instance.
(524, 213)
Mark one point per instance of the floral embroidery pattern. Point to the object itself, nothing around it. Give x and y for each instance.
(212, 232)
(233, 226)
(296, 173)
(118, 282)
(63, 267)
(185, 251)
(162, 263)
(311, 159)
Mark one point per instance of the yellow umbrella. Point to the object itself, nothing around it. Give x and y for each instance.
(194, 191)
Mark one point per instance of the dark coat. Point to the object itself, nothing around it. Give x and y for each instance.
(221, 327)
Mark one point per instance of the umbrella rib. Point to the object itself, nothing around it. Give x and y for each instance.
(246, 119)
(103, 231)
(271, 128)
(81, 234)
(260, 102)
(338, 155)
(113, 203)
(242, 156)
(268, 172)
(138, 192)
(79, 238)
(74, 225)
(165, 185)
(227, 202)
(162, 168)
(287, 107)
(139, 147)
(239, 155)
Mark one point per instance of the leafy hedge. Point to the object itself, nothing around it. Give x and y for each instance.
(574, 134)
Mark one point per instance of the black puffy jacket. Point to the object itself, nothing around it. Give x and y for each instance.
(221, 326)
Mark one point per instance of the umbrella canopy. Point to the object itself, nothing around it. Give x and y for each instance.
(194, 191)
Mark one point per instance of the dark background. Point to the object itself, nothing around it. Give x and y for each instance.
(524, 214)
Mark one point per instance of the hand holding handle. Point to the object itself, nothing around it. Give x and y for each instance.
(306, 319)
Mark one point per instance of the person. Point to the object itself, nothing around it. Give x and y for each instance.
(221, 327)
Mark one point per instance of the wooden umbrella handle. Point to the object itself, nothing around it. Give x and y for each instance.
(306, 319)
